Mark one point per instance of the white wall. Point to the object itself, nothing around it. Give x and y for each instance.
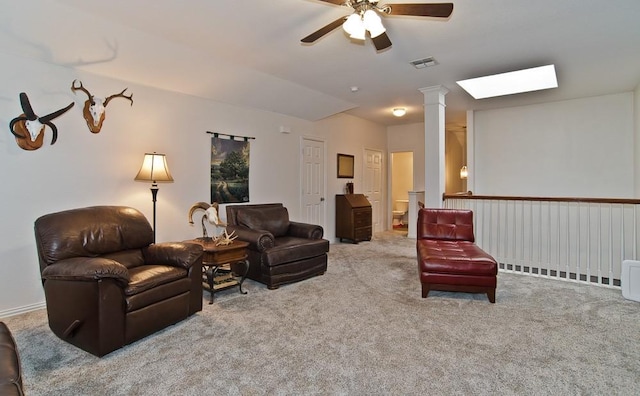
(575, 148)
(84, 169)
(349, 135)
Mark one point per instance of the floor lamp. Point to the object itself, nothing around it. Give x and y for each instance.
(154, 169)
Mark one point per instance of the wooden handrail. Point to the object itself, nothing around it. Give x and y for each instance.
(469, 195)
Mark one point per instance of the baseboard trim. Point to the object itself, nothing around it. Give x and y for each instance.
(24, 309)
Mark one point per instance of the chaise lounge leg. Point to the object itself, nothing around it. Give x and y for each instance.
(425, 290)
(492, 295)
(273, 287)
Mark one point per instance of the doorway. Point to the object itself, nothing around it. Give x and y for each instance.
(373, 187)
(312, 198)
(401, 184)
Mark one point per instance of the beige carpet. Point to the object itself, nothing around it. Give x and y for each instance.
(362, 328)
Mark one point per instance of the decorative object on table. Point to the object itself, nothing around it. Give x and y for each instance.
(210, 213)
(94, 107)
(229, 168)
(349, 188)
(345, 166)
(154, 169)
(28, 128)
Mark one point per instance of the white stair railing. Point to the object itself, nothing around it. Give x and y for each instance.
(575, 239)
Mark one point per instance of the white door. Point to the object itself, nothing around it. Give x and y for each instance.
(373, 186)
(313, 170)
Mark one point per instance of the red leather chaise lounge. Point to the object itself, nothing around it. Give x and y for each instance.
(448, 258)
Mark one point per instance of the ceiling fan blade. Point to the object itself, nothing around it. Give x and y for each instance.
(336, 2)
(437, 10)
(381, 42)
(322, 31)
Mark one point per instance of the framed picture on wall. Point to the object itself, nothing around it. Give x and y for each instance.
(345, 166)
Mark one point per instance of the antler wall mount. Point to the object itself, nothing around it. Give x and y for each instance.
(94, 107)
(28, 128)
(366, 18)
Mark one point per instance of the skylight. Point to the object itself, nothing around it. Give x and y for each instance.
(527, 80)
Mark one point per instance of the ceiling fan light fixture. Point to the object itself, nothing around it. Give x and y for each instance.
(373, 23)
(359, 33)
(353, 24)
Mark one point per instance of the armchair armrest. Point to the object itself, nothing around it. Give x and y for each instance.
(174, 254)
(259, 240)
(87, 268)
(304, 230)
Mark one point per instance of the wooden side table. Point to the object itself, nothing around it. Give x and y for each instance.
(223, 266)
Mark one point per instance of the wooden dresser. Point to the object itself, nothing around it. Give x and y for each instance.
(353, 218)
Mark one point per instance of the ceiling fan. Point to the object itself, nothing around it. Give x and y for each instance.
(366, 18)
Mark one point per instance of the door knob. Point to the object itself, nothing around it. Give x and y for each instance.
(321, 199)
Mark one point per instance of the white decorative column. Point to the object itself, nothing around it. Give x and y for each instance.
(434, 139)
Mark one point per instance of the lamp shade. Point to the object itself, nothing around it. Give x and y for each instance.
(154, 168)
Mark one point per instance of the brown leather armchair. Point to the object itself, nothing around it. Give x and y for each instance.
(10, 370)
(106, 285)
(280, 251)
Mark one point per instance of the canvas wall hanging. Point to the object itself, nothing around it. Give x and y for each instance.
(229, 168)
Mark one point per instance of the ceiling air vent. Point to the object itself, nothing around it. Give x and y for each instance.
(422, 63)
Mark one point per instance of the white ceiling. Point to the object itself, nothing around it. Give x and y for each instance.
(248, 52)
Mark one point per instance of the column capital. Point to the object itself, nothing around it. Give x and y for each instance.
(434, 94)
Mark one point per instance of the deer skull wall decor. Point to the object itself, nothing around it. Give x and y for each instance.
(94, 107)
(28, 128)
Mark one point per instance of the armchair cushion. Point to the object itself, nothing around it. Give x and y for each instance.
(149, 276)
(112, 229)
(87, 268)
(288, 249)
(175, 254)
(259, 240)
(446, 224)
(274, 220)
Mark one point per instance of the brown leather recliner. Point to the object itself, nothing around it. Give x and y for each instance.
(10, 370)
(280, 251)
(106, 284)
